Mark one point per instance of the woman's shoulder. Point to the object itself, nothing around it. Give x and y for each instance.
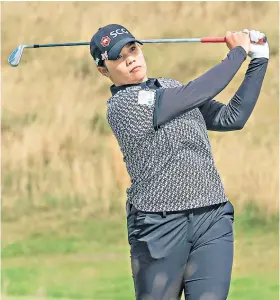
(169, 82)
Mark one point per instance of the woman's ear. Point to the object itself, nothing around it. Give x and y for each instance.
(104, 71)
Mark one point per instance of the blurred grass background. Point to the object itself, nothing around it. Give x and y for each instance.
(63, 178)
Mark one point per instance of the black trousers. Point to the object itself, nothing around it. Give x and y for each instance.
(188, 251)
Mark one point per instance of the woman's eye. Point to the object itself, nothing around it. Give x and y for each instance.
(132, 48)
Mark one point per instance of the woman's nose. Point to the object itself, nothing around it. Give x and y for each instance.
(130, 60)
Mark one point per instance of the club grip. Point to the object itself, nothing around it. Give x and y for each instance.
(223, 40)
(213, 40)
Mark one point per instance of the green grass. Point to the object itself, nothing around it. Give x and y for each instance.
(73, 278)
(110, 279)
(91, 261)
(255, 287)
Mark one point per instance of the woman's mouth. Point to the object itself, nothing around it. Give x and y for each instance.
(135, 69)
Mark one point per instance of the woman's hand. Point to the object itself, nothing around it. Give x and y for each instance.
(239, 38)
(257, 50)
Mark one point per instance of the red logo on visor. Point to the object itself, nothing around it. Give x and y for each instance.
(105, 41)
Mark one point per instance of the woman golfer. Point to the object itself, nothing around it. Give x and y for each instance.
(179, 219)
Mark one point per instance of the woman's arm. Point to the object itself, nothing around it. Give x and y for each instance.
(172, 102)
(234, 115)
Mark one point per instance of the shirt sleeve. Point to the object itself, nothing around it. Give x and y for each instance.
(234, 115)
(172, 102)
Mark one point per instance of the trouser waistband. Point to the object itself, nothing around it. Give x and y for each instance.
(199, 210)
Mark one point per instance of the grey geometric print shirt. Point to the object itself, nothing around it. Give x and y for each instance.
(167, 150)
(172, 168)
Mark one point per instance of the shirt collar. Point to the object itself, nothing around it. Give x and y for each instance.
(150, 83)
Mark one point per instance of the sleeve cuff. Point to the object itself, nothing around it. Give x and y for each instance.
(241, 50)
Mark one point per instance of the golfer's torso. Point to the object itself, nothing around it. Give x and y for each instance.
(171, 168)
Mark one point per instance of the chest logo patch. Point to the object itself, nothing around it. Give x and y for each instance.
(146, 97)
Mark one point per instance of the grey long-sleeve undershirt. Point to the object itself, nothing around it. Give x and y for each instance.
(199, 93)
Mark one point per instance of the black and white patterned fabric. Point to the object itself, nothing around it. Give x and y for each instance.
(171, 168)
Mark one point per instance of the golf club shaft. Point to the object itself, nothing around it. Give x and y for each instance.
(190, 40)
(150, 41)
(58, 45)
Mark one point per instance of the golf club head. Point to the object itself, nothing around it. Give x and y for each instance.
(16, 55)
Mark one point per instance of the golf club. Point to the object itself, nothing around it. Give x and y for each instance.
(15, 57)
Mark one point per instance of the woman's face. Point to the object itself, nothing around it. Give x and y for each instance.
(129, 68)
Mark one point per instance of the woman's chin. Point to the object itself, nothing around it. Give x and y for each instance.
(139, 77)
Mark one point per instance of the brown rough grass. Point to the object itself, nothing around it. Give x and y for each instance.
(57, 149)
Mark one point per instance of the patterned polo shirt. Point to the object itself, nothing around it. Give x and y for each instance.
(171, 166)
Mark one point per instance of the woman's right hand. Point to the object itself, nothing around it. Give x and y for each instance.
(239, 38)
